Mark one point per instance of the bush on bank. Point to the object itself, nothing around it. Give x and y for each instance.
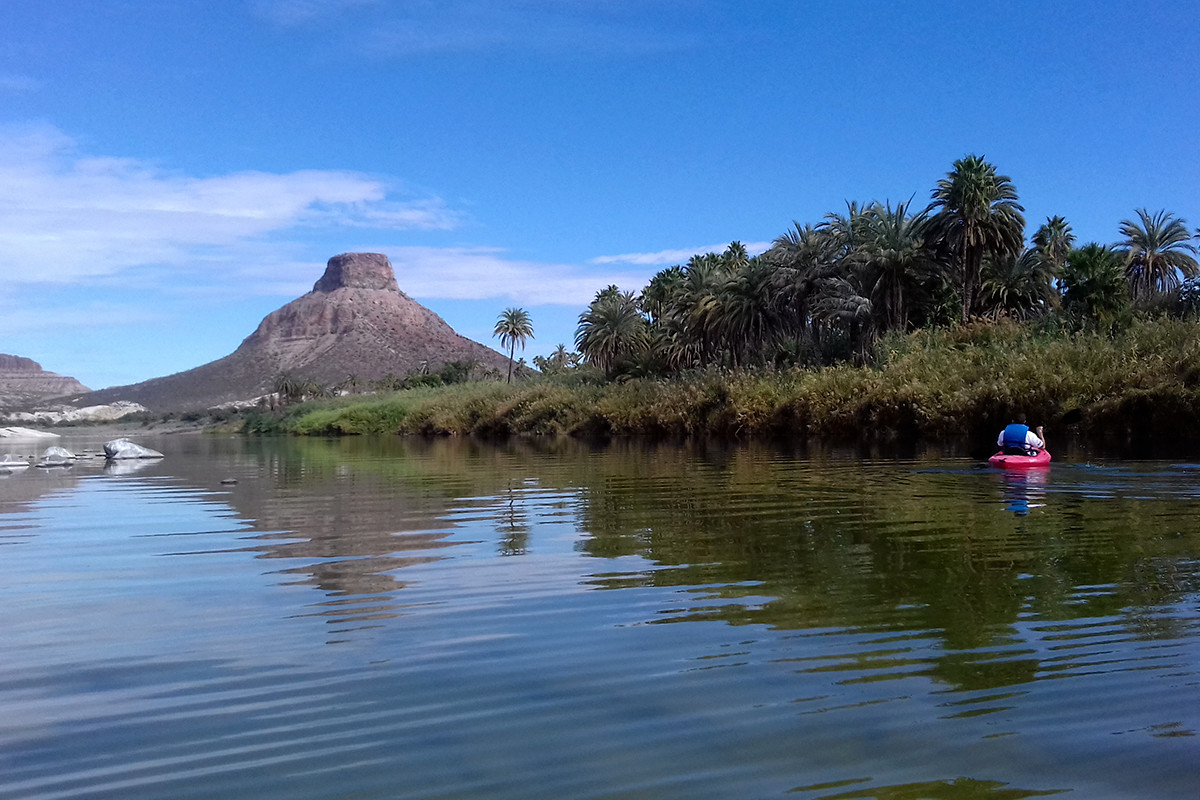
(966, 380)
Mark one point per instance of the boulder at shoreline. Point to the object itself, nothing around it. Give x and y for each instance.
(25, 433)
(120, 449)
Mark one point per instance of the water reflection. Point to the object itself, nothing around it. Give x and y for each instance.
(1024, 489)
(873, 548)
(458, 619)
(754, 535)
(512, 525)
(128, 466)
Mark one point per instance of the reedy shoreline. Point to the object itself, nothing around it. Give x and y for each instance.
(932, 384)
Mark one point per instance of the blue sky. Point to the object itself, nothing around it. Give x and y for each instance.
(173, 172)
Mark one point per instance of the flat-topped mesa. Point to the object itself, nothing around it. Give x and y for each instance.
(18, 363)
(22, 380)
(357, 271)
(356, 322)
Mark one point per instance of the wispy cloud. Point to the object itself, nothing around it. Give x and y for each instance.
(666, 258)
(460, 26)
(290, 13)
(11, 83)
(130, 228)
(476, 273)
(67, 216)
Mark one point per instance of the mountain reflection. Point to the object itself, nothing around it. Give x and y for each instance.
(348, 524)
(986, 571)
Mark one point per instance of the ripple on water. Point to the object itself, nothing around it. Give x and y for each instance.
(452, 620)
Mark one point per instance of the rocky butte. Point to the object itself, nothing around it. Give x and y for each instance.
(354, 322)
(23, 381)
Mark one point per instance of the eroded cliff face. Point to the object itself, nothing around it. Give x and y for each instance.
(23, 381)
(354, 322)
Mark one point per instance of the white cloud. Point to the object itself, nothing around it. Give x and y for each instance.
(128, 228)
(666, 258)
(12, 83)
(290, 13)
(408, 29)
(65, 216)
(68, 218)
(477, 273)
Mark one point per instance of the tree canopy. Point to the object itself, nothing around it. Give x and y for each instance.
(513, 327)
(825, 291)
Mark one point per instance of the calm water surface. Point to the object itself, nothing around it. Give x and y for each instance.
(403, 619)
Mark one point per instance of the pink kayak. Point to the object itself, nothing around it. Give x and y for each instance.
(1041, 459)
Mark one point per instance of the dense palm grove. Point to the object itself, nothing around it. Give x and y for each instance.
(824, 293)
(931, 323)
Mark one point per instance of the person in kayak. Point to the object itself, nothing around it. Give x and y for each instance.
(1018, 440)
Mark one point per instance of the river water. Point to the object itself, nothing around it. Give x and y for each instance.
(392, 618)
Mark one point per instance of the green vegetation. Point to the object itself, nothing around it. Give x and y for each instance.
(963, 380)
(881, 322)
(826, 293)
(513, 327)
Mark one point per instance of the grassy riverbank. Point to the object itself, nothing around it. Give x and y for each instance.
(967, 380)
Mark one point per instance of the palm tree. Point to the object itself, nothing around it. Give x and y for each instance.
(560, 357)
(1021, 285)
(978, 214)
(1053, 242)
(896, 262)
(823, 280)
(289, 388)
(744, 316)
(1158, 250)
(802, 257)
(697, 308)
(611, 330)
(723, 303)
(735, 256)
(1189, 297)
(661, 292)
(513, 327)
(845, 231)
(1094, 285)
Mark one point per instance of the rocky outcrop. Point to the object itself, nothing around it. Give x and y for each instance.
(58, 413)
(25, 433)
(355, 322)
(120, 449)
(23, 381)
(358, 271)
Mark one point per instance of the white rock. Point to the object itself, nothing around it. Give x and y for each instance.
(123, 448)
(25, 433)
(61, 414)
(57, 457)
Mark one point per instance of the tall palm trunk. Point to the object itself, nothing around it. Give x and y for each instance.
(972, 261)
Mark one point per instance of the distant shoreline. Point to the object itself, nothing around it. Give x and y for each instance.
(928, 386)
(115, 429)
(1136, 391)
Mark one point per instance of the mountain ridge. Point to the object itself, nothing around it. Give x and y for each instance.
(356, 322)
(23, 381)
